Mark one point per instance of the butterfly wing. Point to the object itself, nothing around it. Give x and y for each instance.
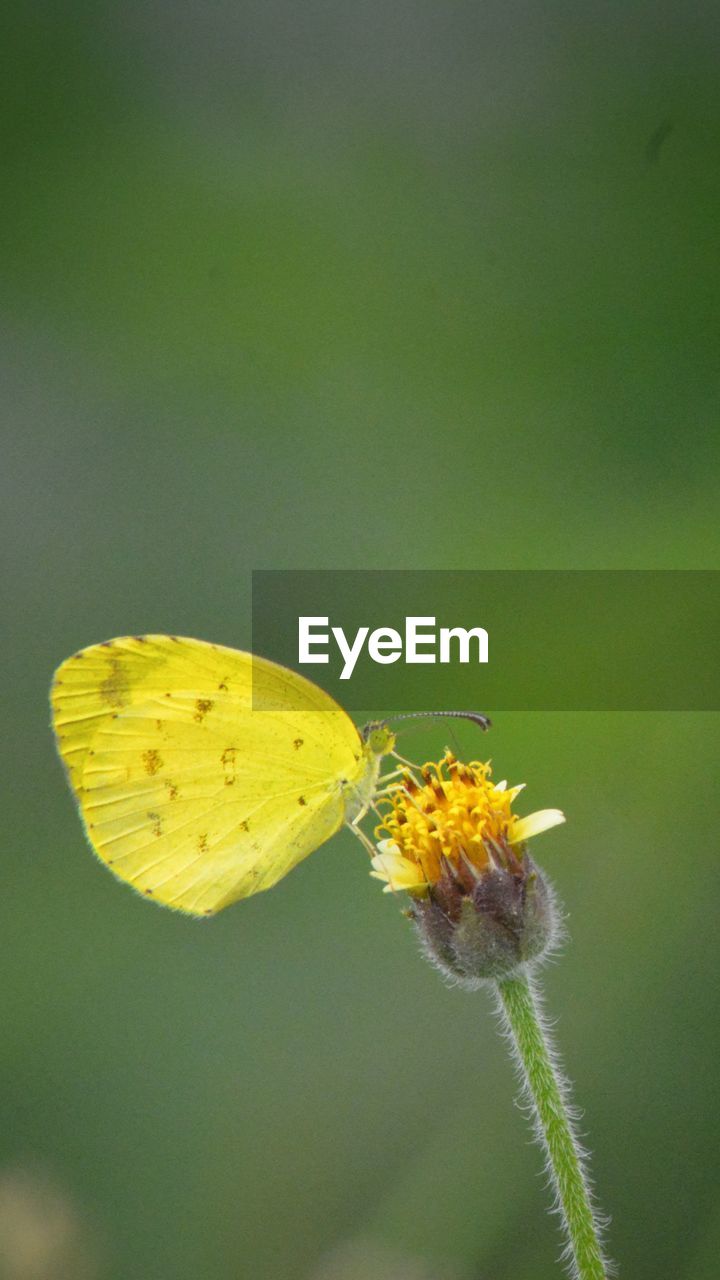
(186, 791)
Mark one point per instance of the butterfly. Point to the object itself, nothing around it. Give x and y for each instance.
(187, 790)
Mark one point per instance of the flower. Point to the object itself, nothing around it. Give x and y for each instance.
(458, 822)
(480, 905)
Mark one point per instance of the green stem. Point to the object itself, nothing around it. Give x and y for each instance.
(548, 1091)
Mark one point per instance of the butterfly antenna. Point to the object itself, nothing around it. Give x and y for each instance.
(478, 719)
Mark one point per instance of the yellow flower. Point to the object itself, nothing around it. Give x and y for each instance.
(458, 824)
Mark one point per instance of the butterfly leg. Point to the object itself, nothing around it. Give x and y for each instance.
(387, 777)
(362, 837)
(408, 763)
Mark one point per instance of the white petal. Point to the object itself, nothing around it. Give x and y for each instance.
(541, 820)
(399, 872)
(388, 846)
(376, 875)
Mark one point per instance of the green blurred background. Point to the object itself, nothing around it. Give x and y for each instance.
(365, 286)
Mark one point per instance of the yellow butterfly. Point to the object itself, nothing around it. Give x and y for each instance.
(186, 790)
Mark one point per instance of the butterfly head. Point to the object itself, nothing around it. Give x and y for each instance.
(378, 737)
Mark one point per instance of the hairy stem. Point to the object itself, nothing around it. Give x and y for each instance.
(547, 1090)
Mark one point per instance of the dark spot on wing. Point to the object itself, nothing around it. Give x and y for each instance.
(202, 843)
(171, 790)
(115, 687)
(227, 760)
(152, 762)
(298, 743)
(202, 706)
(222, 685)
(140, 639)
(149, 892)
(245, 826)
(156, 821)
(302, 800)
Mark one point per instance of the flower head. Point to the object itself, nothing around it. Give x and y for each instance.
(454, 844)
(457, 823)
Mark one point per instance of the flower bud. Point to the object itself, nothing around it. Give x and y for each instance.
(506, 919)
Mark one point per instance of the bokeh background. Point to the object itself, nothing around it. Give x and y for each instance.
(352, 285)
